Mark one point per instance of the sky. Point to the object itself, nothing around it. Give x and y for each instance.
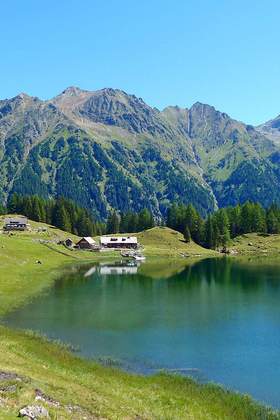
(221, 52)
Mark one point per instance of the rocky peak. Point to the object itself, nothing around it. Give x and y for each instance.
(213, 128)
(72, 91)
(17, 104)
(207, 111)
(113, 107)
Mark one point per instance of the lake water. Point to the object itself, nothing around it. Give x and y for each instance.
(217, 319)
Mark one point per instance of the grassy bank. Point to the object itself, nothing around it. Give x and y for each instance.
(86, 390)
(256, 244)
(70, 387)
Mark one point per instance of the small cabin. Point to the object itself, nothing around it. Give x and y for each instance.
(15, 223)
(125, 242)
(86, 243)
(69, 243)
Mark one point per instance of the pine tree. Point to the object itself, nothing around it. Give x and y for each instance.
(3, 210)
(222, 227)
(209, 233)
(273, 225)
(36, 212)
(13, 204)
(247, 218)
(61, 218)
(187, 234)
(234, 220)
(27, 207)
(113, 223)
(145, 220)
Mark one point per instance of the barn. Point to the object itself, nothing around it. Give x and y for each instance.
(86, 243)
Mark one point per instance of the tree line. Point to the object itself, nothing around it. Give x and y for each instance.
(219, 227)
(61, 213)
(213, 232)
(68, 216)
(129, 222)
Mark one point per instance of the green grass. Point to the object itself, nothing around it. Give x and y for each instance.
(165, 242)
(256, 245)
(96, 391)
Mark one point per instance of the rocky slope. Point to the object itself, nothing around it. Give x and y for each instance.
(271, 129)
(107, 149)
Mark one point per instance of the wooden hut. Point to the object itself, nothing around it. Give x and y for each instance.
(86, 243)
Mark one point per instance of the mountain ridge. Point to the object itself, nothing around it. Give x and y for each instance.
(107, 149)
(271, 129)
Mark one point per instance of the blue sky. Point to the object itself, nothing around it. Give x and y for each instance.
(221, 52)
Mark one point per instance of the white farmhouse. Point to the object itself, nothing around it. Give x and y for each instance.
(125, 242)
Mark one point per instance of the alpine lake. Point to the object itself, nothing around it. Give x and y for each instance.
(217, 320)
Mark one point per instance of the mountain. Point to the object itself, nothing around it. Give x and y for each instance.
(107, 149)
(271, 129)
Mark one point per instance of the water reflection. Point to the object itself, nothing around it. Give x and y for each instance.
(219, 317)
(119, 268)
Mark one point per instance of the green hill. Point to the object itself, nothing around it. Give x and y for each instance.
(254, 244)
(166, 242)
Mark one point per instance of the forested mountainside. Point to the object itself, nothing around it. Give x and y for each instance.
(107, 149)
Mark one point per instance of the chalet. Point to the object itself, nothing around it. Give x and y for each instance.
(15, 223)
(118, 242)
(86, 243)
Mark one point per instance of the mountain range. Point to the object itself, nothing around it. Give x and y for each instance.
(110, 150)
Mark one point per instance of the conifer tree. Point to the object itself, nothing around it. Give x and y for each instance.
(61, 218)
(222, 227)
(36, 211)
(113, 223)
(187, 234)
(3, 210)
(13, 204)
(272, 222)
(145, 220)
(209, 233)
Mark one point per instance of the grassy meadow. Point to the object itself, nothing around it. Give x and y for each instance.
(166, 242)
(256, 244)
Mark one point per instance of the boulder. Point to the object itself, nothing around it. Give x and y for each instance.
(34, 412)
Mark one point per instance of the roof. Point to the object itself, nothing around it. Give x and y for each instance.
(21, 220)
(118, 239)
(88, 239)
